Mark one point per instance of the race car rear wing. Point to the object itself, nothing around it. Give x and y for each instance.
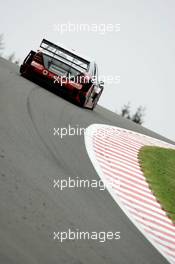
(65, 55)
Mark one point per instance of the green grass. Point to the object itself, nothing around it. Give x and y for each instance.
(158, 166)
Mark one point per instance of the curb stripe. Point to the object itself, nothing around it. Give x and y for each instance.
(115, 158)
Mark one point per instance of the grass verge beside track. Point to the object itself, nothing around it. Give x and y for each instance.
(158, 166)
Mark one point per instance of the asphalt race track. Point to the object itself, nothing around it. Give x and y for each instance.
(31, 157)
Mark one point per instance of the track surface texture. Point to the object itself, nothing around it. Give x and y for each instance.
(31, 157)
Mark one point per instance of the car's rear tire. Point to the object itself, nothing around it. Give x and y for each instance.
(23, 71)
(83, 99)
(96, 99)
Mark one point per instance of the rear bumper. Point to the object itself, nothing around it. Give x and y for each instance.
(44, 77)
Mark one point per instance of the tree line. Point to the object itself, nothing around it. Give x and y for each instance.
(10, 57)
(136, 117)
